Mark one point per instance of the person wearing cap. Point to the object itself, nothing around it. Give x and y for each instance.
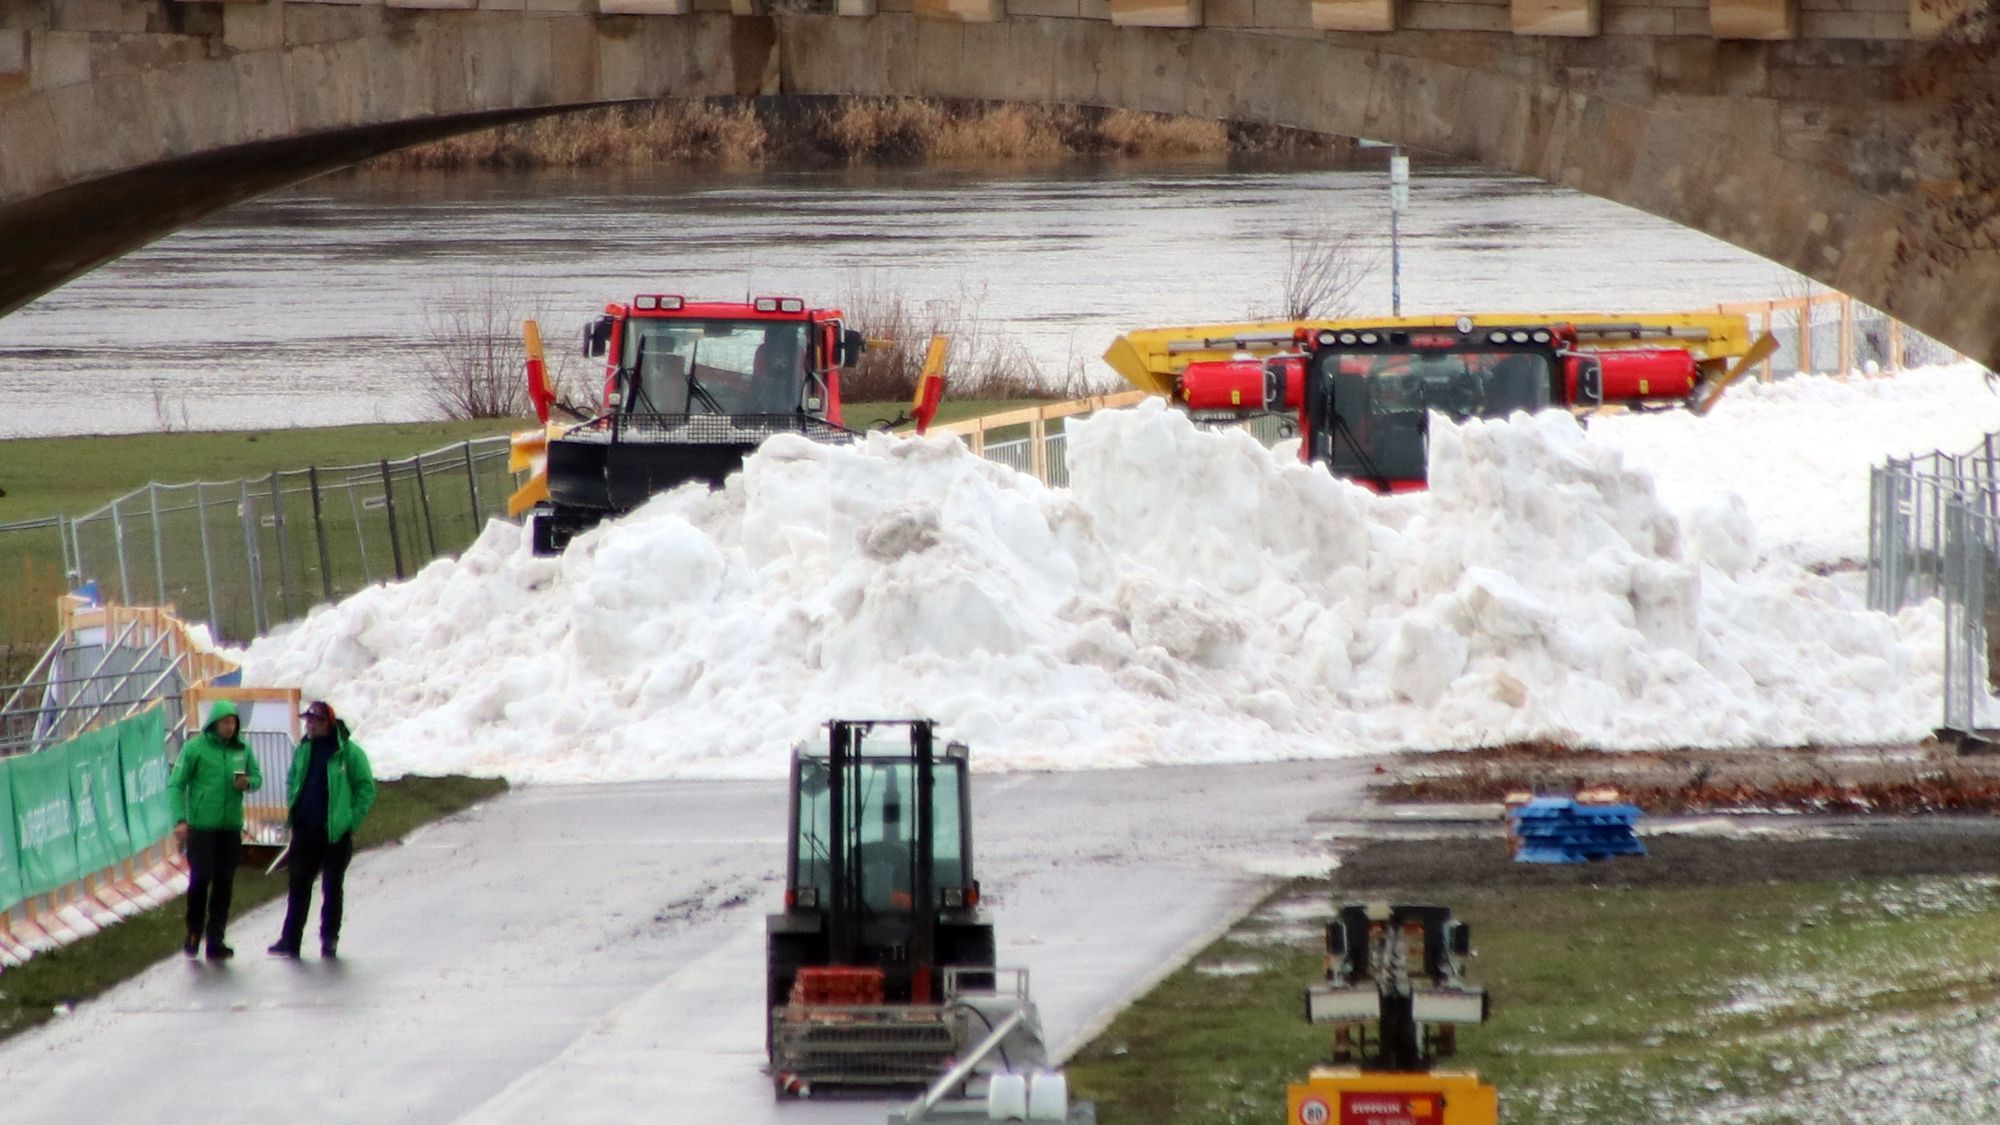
(205, 791)
(331, 791)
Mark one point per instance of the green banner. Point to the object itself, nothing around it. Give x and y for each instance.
(44, 818)
(99, 797)
(11, 890)
(142, 757)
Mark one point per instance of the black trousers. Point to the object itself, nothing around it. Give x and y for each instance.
(212, 861)
(314, 857)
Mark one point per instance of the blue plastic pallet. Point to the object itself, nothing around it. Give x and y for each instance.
(1558, 830)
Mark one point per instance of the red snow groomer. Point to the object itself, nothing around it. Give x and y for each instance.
(1362, 391)
(691, 388)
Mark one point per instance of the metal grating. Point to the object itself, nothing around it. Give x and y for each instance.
(706, 429)
(862, 1046)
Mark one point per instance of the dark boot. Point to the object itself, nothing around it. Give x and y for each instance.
(284, 949)
(192, 946)
(219, 952)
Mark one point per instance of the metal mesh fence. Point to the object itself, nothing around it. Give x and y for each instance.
(246, 555)
(1934, 532)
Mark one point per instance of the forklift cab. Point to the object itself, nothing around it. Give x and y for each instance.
(879, 863)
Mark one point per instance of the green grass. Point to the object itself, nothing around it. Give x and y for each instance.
(1608, 1004)
(73, 475)
(30, 994)
(43, 477)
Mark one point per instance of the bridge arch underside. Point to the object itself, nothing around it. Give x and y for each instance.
(1826, 156)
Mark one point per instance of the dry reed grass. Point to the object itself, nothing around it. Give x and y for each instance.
(714, 133)
(1126, 133)
(732, 133)
(983, 364)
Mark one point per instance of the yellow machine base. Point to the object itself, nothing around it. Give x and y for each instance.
(1346, 1096)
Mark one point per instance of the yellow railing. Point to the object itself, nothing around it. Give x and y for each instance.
(1798, 310)
(1037, 419)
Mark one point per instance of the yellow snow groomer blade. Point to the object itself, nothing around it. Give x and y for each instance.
(528, 452)
(1152, 359)
(1711, 394)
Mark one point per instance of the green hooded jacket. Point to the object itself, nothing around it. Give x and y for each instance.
(350, 782)
(202, 789)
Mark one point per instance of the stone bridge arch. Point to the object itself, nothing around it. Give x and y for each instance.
(1830, 141)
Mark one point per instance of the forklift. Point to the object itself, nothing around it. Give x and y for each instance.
(880, 970)
(1396, 995)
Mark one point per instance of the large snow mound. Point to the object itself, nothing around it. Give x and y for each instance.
(1798, 451)
(1193, 597)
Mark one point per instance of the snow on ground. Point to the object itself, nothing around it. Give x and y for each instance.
(1798, 451)
(1191, 598)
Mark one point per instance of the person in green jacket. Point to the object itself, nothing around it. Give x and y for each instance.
(206, 790)
(332, 789)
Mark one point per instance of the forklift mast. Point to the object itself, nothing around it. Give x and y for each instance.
(847, 800)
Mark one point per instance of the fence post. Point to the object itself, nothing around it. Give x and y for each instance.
(70, 572)
(1805, 335)
(1877, 539)
(360, 533)
(1953, 615)
(424, 502)
(1847, 364)
(246, 508)
(118, 540)
(284, 545)
(1038, 450)
(472, 482)
(1988, 484)
(207, 559)
(159, 548)
(389, 504)
(76, 550)
(1895, 346)
(319, 535)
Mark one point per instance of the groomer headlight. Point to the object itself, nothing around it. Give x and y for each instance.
(1348, 338)
(1496, 337)
(1541, 336)
(1370, 338)
(1326, 339)
(1464, 325)
(1519, 336)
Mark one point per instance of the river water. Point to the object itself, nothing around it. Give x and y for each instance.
(314, 306)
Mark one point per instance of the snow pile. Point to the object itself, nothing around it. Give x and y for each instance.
(1799, 451)
(1192, 598)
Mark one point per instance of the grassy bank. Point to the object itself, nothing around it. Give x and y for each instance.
(72, 475)
(44, 477)
(1745, 1001)
(734, 133)
(32, 994)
